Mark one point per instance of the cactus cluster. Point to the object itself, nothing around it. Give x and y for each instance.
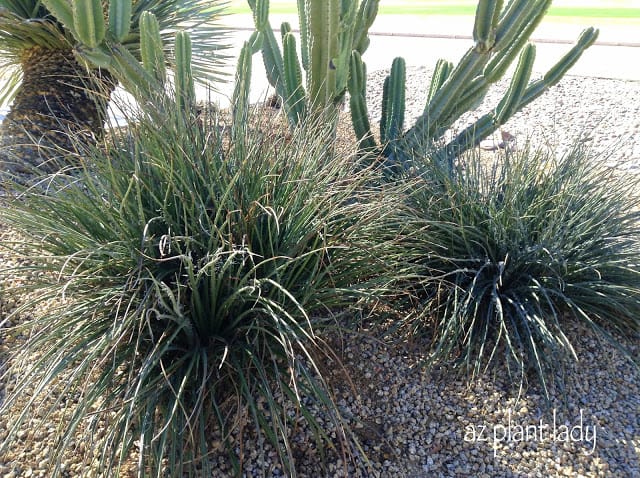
(333, 37)
(101, 31)
(500, 36)
(99, 40)
(330, 30)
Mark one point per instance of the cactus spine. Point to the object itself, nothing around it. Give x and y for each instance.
(500, 36)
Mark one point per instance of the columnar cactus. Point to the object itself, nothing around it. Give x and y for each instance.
(151, 54)
(120, 18)
(330, 30)
(295, 102)
(185, 90)
(500, 35)
(240, 100)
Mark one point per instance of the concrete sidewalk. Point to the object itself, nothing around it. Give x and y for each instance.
(423, 40)
(616, 53)
(551, 28)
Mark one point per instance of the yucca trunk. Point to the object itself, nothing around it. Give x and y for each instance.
(57, 100)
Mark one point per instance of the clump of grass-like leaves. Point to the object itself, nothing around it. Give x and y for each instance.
(190, 276)
(509, 252)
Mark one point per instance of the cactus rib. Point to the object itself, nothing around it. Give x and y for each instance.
(88, 21)
(304, 33)
(294, 92)
(119, 18)
(357, 102)
(441, 73)
(586, 39)
(395, 102)
(261, 14)
(185, 91)
(153, 59)
(484, 29)
(511, 100)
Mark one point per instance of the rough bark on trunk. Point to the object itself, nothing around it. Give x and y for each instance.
(58, 100)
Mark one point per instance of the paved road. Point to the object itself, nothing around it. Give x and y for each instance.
(423, 40)
(404, 35)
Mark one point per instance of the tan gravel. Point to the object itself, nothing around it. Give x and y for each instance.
(413, 423)
(410, 422)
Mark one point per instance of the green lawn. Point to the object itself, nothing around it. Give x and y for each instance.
(575, 9)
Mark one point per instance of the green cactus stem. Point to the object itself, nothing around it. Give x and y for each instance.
(323, 29)
(441, 73)
(240, 99)
(500, 35)
(120, 18)
(294, 91)
(329, 32)
(358, 105)
(393, 103)
(88, 21)
(151, 51)
(490, 122)
(303, 18)
(185, 89)
(484, 33)
(512, 98)
(469, 81)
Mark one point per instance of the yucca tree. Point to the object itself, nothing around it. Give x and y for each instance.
(55, 92)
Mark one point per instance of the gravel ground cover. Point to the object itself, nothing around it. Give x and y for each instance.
(413, 423)
(602, 113)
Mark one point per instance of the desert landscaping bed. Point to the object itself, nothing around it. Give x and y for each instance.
(414, 423)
